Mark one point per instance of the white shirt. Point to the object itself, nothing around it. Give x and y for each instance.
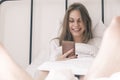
(83, 50)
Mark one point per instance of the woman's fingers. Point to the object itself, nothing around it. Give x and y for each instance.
(72, 57)
(68, 53)
(66, 56)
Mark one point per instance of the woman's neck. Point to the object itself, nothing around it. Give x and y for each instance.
(78, 39)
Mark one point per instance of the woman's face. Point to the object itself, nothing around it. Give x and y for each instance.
(76, 24)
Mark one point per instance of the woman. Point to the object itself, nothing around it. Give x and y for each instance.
(76, 27)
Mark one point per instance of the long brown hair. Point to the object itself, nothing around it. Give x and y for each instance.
(65, 32)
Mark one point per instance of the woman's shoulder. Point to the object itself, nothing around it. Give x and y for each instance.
(55, 41)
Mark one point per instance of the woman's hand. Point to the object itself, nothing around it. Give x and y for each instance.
(65, 56)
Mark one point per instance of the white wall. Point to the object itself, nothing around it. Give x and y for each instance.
(15, 29)
(112, 8)
(1, 24)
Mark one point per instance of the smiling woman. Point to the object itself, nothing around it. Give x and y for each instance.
(77, 20)
(79, 27)
(76, 25)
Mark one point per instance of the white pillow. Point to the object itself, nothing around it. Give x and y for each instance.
(98, 29)
(98, 32)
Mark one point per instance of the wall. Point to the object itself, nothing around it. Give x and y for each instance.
(1, 24)
(112, 9)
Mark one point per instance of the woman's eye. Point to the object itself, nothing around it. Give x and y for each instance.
(71, 21)
(79, 20)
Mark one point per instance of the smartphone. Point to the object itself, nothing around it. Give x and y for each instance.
(67, 45)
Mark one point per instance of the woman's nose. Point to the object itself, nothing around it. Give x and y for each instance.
(76, 23)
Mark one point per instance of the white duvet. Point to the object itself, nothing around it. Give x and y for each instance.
(65, 70)
(61, 74)
(77, 66)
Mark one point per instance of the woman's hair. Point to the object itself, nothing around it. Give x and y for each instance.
(65, 33)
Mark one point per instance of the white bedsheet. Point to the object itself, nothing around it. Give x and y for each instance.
(77, 66)
(65, 70)
(63, 74)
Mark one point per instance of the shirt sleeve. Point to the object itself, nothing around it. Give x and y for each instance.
(90, 48)
(55, 49)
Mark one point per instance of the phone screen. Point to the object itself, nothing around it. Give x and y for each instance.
(67, 45)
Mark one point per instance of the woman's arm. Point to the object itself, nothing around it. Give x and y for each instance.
(55, 49)
(56, 52)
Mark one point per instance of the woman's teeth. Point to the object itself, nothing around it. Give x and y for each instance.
(76, 30)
